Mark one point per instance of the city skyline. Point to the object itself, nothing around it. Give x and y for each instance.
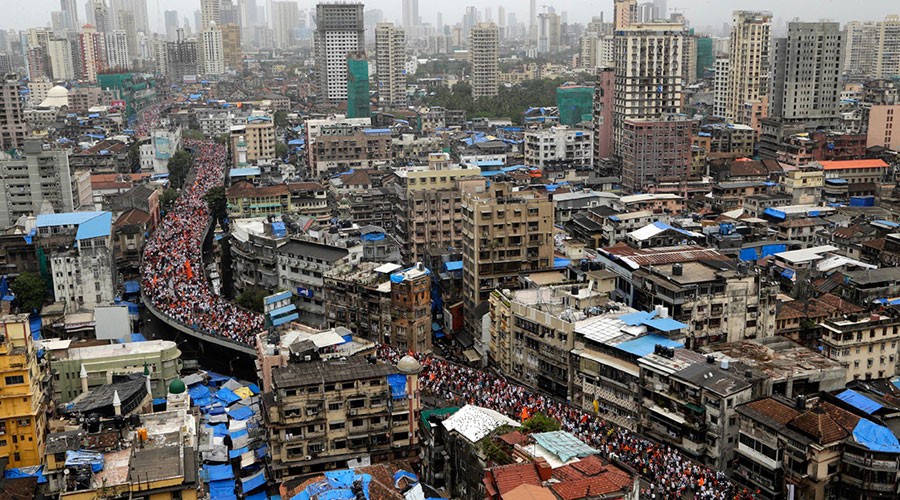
(700, 13)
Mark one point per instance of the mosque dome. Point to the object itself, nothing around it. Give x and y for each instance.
(57, 97)
(177, 386)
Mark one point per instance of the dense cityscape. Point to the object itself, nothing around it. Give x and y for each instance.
(328, 251)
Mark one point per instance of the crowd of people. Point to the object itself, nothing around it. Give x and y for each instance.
(669, 472)
(147, 119)
(172, 269)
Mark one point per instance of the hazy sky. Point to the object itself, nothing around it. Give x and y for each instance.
(21, 14)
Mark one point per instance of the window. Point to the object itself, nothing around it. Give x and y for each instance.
(334, 426)
(335, 406)
(15, 379)
(23, 422)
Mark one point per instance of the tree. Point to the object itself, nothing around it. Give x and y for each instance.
(179, 165)
(222, 139)
(167, 199)
(281, 150)
(252, 299)
(192, 134)
(540, 423)
(280, 118)
(30, 291)
(218, 205)
(134, 156)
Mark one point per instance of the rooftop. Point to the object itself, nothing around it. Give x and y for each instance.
(323, 372)
(94, 353)
(475, 422)
(714, 378)
(778, 358)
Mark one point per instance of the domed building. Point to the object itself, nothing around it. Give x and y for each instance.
(178, 397)
(177, 386)
(57, 97)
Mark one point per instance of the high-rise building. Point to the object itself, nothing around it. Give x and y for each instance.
(35, 178)
(390, 64)
(503, 233)
(127, 24)
(181, 58)
(548, 33)
(748, 66)
(888, 52)
(860, 46)
(62, 66)
(210, 12)
(213, 51)
(720, 85)
(358, 85)
(705, 56)
(484, 55)
(12, 125)
(141, 19)
(532, 21)
(69, 14)
(625, 13)
(24, 412)
(229, 13)
(102, 20)
(171, 18)
(117, 50)
(411, 309)
(285, 16)
(648, 73)
(603, 113)
(501, 20)
(93, 53)
(340, 29)
(806, 83)
(248, 19)
(411, 18)
(231, 45)
(655, 150)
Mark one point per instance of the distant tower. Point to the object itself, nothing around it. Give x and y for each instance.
(242, 152)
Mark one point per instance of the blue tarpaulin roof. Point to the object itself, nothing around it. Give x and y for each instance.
(237, 452)
(219, 429)
(84, 457)
(561, 262)
(859, 401)
(296, 142)
(35, 324)
(875, 437)
(261, 495)
(787, 273)
(254, 481)
(227, 396)
(222, 490)
(771, 212)
(137, 337)
(665, 324)
(637, 318)
(454, 265)
(132, 287)
(241, 413)
(275, 298)
(643, 346)
(253, 388)
(32, 471)
(198, 391)
(244, 171)
(400, 474)
(398, 385)
(218, 472)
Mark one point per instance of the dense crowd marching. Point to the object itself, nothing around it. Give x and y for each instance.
(670, 474)
(172, 267)
(176, 290)
(147, 119)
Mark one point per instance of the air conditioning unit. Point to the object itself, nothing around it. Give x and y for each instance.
(354, 411)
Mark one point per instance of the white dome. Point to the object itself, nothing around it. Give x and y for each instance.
(58, 91)
(408, 365)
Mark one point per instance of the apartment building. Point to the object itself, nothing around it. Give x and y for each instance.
(259, 136)
(390, 64)
(80, 249)
(359, 297)
(324, 415)
(301, 266)
(428, 208)
(307, 199)
(339, 147)
(13, 128)
(880, 131)
(504, 232)
(865, 344)
(694, 408)
(817, 451)
(411, 309)
(559, 148)
(532, 333)
(23, 414)
(340, 29)
(655, 149)
(648, 78)
(748, 66)
(484, 56)
(33, 177)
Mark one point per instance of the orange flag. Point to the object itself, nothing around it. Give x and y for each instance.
(187, 269)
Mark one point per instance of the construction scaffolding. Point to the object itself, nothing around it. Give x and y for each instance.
(575, 104)
(357, 86)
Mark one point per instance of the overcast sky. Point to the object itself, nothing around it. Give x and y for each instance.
(29, 13)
